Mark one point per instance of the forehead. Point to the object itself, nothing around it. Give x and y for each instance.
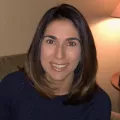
(62, 28)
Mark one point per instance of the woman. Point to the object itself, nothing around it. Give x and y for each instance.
(59, 77)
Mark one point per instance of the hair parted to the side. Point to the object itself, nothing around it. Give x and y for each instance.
(84, 83)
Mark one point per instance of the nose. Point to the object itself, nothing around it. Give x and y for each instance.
(59, 52)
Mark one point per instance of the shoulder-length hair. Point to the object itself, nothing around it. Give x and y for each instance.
(84, 82)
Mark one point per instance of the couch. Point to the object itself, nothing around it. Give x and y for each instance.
(14, 62)
(11, 63)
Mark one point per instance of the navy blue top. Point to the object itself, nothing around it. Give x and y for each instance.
(19, 100)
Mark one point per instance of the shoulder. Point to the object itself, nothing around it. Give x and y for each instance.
(13, 78)
(102, 104)
(12, 82)
(13, 89)
(101, 95)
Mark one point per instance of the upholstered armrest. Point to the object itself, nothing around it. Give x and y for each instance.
(11, 63)
(115, 116)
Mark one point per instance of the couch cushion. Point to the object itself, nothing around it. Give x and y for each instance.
(11, 63)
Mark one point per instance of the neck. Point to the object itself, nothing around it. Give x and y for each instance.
(60, 87)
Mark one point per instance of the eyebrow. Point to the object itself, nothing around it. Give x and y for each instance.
(50, 36)
(53, 37)
(73, 38)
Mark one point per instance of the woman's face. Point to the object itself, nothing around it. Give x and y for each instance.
(60, 50)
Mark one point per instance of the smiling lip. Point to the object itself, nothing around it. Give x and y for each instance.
(58, 67)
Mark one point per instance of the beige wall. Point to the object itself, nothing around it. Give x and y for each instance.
(106, 31)
(18, 21)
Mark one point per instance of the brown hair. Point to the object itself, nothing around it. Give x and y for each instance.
(84, 75)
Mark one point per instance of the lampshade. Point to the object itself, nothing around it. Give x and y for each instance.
(116, 12)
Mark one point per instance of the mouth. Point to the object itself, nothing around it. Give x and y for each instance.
(59, 67)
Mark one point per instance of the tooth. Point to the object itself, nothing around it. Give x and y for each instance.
(58, 66)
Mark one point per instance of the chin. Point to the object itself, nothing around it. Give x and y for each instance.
(58, 78)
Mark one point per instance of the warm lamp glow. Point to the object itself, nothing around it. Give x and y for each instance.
(116, 12)
(107, 31)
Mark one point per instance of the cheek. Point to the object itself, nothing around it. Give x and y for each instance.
(44, 56)
(75, 55)
(46, 53)
(76, 59)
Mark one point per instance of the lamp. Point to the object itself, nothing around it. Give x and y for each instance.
(116, 12)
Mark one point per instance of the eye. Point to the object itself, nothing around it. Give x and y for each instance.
(71, 44)
(50, 41)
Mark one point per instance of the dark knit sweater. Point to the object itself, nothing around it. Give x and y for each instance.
(19, 100)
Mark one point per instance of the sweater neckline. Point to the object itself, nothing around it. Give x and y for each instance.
(61, 97)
